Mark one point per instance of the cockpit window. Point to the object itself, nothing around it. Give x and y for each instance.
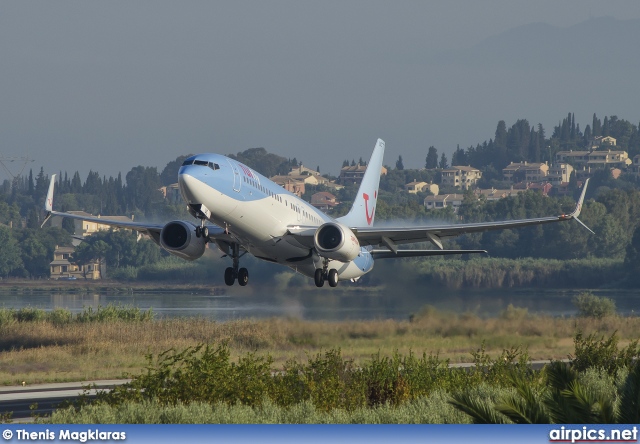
(213, 166)
(187, 162)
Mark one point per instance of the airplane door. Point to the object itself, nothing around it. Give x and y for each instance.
(237, 179)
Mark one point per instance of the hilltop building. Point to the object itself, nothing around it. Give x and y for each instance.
(416, 187)
(324, 201)
(464, 177)
(354, 174)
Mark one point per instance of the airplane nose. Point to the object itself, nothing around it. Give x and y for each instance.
(189, 188)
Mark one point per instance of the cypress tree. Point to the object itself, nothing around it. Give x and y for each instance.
(444, 163)
(432, 158)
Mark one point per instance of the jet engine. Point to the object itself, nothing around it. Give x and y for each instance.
(179, 238)
(335, 241)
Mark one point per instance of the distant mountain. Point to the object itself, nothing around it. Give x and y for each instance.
(600, 44)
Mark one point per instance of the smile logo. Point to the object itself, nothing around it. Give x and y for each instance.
(366, 206)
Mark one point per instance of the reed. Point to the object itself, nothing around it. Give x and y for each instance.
(54, 348)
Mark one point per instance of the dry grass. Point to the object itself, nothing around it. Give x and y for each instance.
(39, 351)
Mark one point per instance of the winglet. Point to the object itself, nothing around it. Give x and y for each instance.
(578, 209)
(48, 203)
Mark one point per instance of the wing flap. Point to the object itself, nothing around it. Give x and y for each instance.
(386, 254)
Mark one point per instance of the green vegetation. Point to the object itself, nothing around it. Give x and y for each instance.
(203, 381)
(111, 342)
(592, 306)
(506, 273)
(61, 316)
(277, 370)
(432, 410)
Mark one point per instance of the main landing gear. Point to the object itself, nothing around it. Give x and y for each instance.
(202, 231)
(324, 273)
(233, 273)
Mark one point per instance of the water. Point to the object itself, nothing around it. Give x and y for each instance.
(327, 305)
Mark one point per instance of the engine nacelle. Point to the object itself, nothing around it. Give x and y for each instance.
(335, 241)
(179, 238)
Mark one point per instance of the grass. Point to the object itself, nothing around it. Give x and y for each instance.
(432, 410)
(40, 348)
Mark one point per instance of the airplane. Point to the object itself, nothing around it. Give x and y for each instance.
(241, 211)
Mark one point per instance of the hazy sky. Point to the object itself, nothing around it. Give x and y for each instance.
(110, 85)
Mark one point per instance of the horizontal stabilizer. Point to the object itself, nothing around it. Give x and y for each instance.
(387, 254)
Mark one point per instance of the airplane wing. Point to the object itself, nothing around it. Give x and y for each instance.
(153, 230)
(390, 237)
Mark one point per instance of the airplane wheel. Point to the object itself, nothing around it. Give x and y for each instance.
(243, 277)
(205, 232)
(197, 231)
(319, 277)
(229, 277)
(333, 277)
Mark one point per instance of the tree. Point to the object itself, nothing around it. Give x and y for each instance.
(142, 190)
(459, 157)
(265, 163)
(444, 163)
(87, 252)
(596, 126)
(117, 249)
(605, 126)
(169, 174)
(432, 158)
(9, 253)
(632, 258)
(34, 255)
(399, 164)
(501, 135)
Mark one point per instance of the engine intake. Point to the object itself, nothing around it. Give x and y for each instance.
(179, 238)
(335, 241)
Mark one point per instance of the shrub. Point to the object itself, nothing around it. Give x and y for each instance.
(202, 373)
(384, 381)
(124, 274)
(30, 314)
(332, 382)
(591, 306)
(113, 312)
(594, 352)
(60, 316)
(512, 313)
(7, 316)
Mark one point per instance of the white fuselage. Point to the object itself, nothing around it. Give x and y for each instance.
(259, 213)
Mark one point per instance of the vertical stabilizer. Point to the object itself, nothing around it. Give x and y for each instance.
(364, 207)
